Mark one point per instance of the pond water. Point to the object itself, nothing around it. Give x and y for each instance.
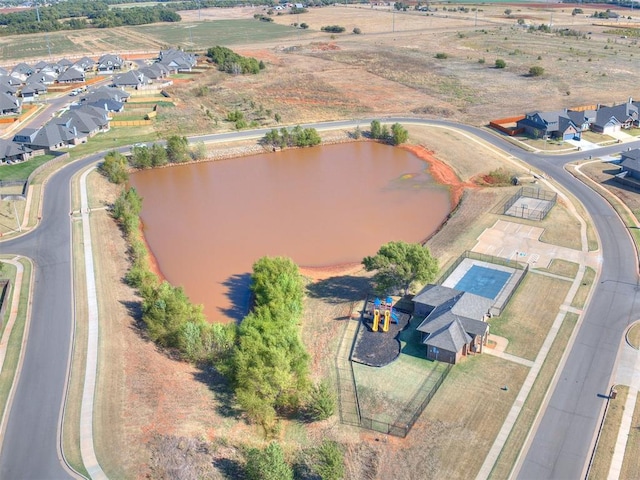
(206, 223)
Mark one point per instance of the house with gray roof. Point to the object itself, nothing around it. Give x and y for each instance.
(85, 122)
(630, 164)
(6, 87)
(9, 105)
(72, 74)
(44, 77)
(156, 71)
(612, 119)
(32, 90)
(22, 71)
(109, 63)
(85, 64)
(556, 124)
(454, 324)
(130, 79)
(106, 93)
(12, 152)
(50, 137)
(177, 60)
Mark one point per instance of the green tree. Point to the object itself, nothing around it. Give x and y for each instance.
(330, 461)
(114, 167)
(268, 464)
(398, 265)
(322, 401)
(500, 63)
(141, 157)
(165, 311)
(177, 149)
(199, 151)
(158, 155)
(376, 129)
(507, 12)
(399, 134)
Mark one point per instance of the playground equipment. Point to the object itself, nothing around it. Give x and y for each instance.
(385, 309)
(376, 319)
(385, 326)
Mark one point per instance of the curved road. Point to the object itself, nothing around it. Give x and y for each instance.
(562, 441)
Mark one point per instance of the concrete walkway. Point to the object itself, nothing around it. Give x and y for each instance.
(627, 373)
(11, 320)
(512, 237)
(87, 451)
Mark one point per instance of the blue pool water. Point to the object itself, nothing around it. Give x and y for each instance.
(483, 281)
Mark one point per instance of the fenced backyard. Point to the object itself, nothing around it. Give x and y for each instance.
(387, 399)
(530, 203)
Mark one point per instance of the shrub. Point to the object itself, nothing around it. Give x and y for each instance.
(330, 461)
(304, 26)
(322, 402)
(500, 63)
(481, 61)
(333, 29)
(536, 71)
(357, 31)
(114, 167)
(441, 56)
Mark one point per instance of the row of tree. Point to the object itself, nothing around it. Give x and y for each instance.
(229, 61)
(177, 150)
(79, 14)
(396, 136)
(297, 137)
(264, 357)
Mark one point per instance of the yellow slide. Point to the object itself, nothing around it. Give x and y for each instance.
(387, 316)
(376, 319)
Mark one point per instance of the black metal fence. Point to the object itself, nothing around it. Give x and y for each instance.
(539, 212)
(410, 414)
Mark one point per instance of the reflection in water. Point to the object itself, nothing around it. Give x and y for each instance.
(207, 223)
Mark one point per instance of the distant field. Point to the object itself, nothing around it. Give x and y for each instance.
(191, 36)
(217, 32)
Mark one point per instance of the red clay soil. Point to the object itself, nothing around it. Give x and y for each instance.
(441, 172)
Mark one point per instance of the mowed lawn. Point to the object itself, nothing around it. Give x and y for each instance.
(531, 312)
(458, 427)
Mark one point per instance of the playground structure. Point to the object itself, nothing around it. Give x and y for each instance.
(387, 311)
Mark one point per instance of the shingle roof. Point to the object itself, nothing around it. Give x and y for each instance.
(451, 337)
(9, 148)
(433, 295)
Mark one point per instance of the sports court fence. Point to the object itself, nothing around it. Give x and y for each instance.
(538, 213)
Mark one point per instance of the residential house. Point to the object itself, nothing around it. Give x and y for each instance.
(11, 152)
(107, 93)
(156, 71)
(177, 60)
(550, 124)
(630, 164)
(73, 74)
(85, 64)
(65, 63)
(109, 63)
(454, 325)
(582, 119)
(130, 79)
(32, 90)
(50, 137)
(9, 105)
(22, 71)
(44, 77)
(85, 122)
(5, 87)
(612, 119)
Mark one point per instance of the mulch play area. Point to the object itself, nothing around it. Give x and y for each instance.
(377, 349)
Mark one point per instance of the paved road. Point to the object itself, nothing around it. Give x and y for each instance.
(559, 448)
(30, 446)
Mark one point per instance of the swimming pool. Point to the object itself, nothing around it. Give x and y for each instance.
(483, 281)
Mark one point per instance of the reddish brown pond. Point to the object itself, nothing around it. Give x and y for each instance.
(207, 223)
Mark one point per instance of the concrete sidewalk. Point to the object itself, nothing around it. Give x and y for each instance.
(87, 451)
(627, 373)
